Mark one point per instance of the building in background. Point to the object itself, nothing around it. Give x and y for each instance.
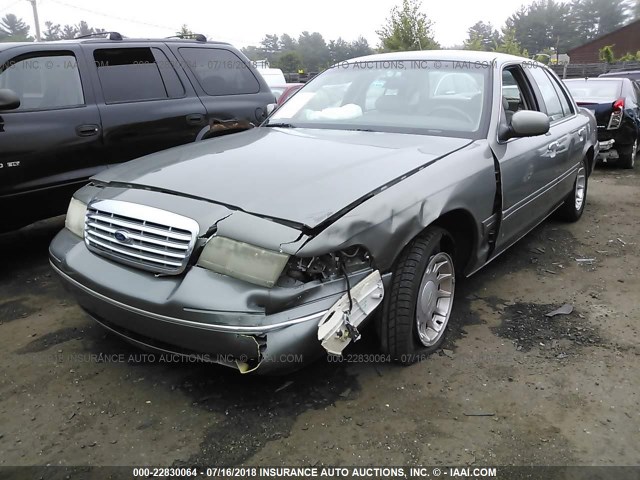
(624, 40)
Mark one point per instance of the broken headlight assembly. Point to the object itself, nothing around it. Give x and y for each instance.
(243, 261)
(299, 271)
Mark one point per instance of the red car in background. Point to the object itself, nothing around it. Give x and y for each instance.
(283, 92)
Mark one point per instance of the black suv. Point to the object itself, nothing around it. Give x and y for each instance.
(69, 109)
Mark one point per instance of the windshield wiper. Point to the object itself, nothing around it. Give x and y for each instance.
(280, 125)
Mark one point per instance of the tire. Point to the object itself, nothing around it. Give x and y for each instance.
(573, 206)
(628, 155)
(418, 294)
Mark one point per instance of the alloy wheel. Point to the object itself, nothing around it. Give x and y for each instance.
(581, 184)
(435, 299)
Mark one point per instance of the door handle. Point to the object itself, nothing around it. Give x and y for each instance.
(87, 130)
(195, 119)
(582, 132)
(553, 146)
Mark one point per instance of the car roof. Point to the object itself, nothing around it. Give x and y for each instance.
(8, 45)
(596, 79)
(107, 41)
(621, 73)
(445, 55)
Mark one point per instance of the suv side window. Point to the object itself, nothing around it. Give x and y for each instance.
(44, 82)
(172, 83)
(129, 75)
(628, 91)
(549, 94)
(636, 87)
(219, 71)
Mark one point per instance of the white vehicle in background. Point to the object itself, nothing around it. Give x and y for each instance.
(273, 76)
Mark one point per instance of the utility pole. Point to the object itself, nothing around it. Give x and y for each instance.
(35, 19)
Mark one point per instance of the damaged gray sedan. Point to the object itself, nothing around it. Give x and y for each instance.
(365, 197)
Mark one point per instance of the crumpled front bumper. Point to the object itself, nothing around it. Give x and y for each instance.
(201, 313)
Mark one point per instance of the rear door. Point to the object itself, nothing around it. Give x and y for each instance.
(145, 102)
(232, 91)
(54, 137)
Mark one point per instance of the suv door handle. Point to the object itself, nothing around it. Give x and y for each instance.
(87, 130)
(552, 147)
(581, 132)
(195, 119)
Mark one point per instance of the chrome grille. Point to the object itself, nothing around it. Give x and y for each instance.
(137, 235)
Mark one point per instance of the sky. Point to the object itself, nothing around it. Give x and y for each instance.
(244, 23)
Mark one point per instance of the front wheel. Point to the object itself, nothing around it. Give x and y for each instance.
(628, 155)
(417, 309)
(573, 207)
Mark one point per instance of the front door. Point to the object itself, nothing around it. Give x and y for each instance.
(534, 170)
(52, 142)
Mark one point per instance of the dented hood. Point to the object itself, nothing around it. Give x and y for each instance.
(299, 175)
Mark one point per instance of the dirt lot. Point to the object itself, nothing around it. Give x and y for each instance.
(550, 391)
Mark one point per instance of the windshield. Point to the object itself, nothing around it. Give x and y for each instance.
(596, 90)
(426, 97)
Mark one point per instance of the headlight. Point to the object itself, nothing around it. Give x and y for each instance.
(243, 261)
(76, 214)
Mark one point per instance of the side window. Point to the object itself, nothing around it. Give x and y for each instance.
(629, 92)
(129, 75)
(516, 92)
(219, 71)
(172, 83)
(44, 82)
(636, 88)
(567, 108)
(549, 94)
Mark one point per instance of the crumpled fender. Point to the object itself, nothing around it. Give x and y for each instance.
(387, 222)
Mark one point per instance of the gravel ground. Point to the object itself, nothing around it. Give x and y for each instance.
(510, 387)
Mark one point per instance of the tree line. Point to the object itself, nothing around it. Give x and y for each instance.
(14, 29)
(541, 29)
(546, 27)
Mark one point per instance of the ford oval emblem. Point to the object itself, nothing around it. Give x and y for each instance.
(122, 236)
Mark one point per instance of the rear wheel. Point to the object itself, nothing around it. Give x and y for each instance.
(628, 155)
(418, 307)
(573, 207)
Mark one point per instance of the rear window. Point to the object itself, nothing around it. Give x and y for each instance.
(219, 71)
(595, 90)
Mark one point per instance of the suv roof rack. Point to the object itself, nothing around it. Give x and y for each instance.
(196, 36)
(109, 35)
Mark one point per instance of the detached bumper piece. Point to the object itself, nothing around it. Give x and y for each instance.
(606, 145)
(607, 152)
(339, 326)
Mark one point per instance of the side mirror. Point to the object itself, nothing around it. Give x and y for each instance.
(527, 123)
(271, 108)
(9, 100)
